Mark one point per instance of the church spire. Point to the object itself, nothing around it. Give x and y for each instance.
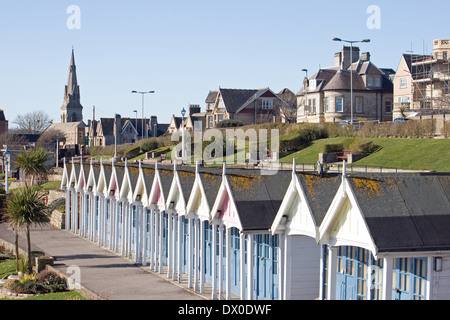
(72, 110)
(72, 84)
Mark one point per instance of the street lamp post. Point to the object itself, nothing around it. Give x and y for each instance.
(6, 155)
(183, 113)
(115, 136)
(143, 93)
(57, 150)
(135, 111)
(351, 42)
(306, 109)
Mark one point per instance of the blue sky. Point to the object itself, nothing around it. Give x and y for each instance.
(183, 49)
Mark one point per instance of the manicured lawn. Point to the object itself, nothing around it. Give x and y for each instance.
(409, 154)
(7, 268)
(51, 185)
(69, 295)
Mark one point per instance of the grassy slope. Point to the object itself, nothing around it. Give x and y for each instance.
(410, 154)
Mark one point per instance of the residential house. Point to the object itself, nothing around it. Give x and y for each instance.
(193, 118)
(326, 96)
(421, 84)
(288, 111)
(250, 106)
(128, 130)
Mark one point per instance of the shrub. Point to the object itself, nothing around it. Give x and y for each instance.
(229, 124)
(332, 148)
(365, 148)
(45, 282)
(23, 265)
(148, 145)
(25, 287)
(47, 277)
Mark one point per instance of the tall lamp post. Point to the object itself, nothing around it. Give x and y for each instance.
(351, 42)
(183, 113)
(306, 95)
(6, 155)
(57, 150)
(135, 111)
(143, 93)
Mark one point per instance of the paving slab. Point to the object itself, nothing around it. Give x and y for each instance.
(108, 275)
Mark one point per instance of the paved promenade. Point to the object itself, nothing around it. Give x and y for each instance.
(103, 273)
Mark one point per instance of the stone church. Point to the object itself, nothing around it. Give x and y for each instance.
(72, 125)
(72, 110)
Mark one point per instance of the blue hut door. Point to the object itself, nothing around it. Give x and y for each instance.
(185, 245)
(108, 208)
(133, 227)
(266, 277)
(148, 233)
(165, 234)
(120, 219)
(208, 251)
(235, 274)
(346, 277)
(409, 279)
(352, 268)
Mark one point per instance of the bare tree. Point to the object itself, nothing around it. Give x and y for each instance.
(287, 109)
(33, 122)
(48, 139)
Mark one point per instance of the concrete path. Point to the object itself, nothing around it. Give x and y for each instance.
(102, 272)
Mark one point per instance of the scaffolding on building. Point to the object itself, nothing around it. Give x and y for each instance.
(431, 77)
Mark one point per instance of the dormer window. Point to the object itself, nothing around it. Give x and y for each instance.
(373, 82)
(267, 104)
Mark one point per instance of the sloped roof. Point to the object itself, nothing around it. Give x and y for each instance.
(405, 212)
(234, 99)
(2, 115)
(257, 197)
(212, 96)
(319, 192)
(341, 81)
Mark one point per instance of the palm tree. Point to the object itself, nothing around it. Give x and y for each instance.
(26, 209)
(32, 163)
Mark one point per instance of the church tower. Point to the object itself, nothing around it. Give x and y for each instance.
(72, 110)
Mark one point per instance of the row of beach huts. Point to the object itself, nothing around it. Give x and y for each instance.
(287, 235)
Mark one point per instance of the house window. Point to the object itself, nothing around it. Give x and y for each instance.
(403, 99)
(359, 104)
(312, 105)
(220, 117)
(339, 104)
(378, 82)
(267, 104)
(388, 106)
(210, 122)
(327, 103)
(403, 83)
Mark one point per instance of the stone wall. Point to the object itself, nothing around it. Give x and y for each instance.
(57, 219)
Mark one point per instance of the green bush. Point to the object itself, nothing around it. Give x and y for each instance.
(229, 124)
(148, 145)
(365, 148)
(332, 148)
(25, 287)
(132, 152)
